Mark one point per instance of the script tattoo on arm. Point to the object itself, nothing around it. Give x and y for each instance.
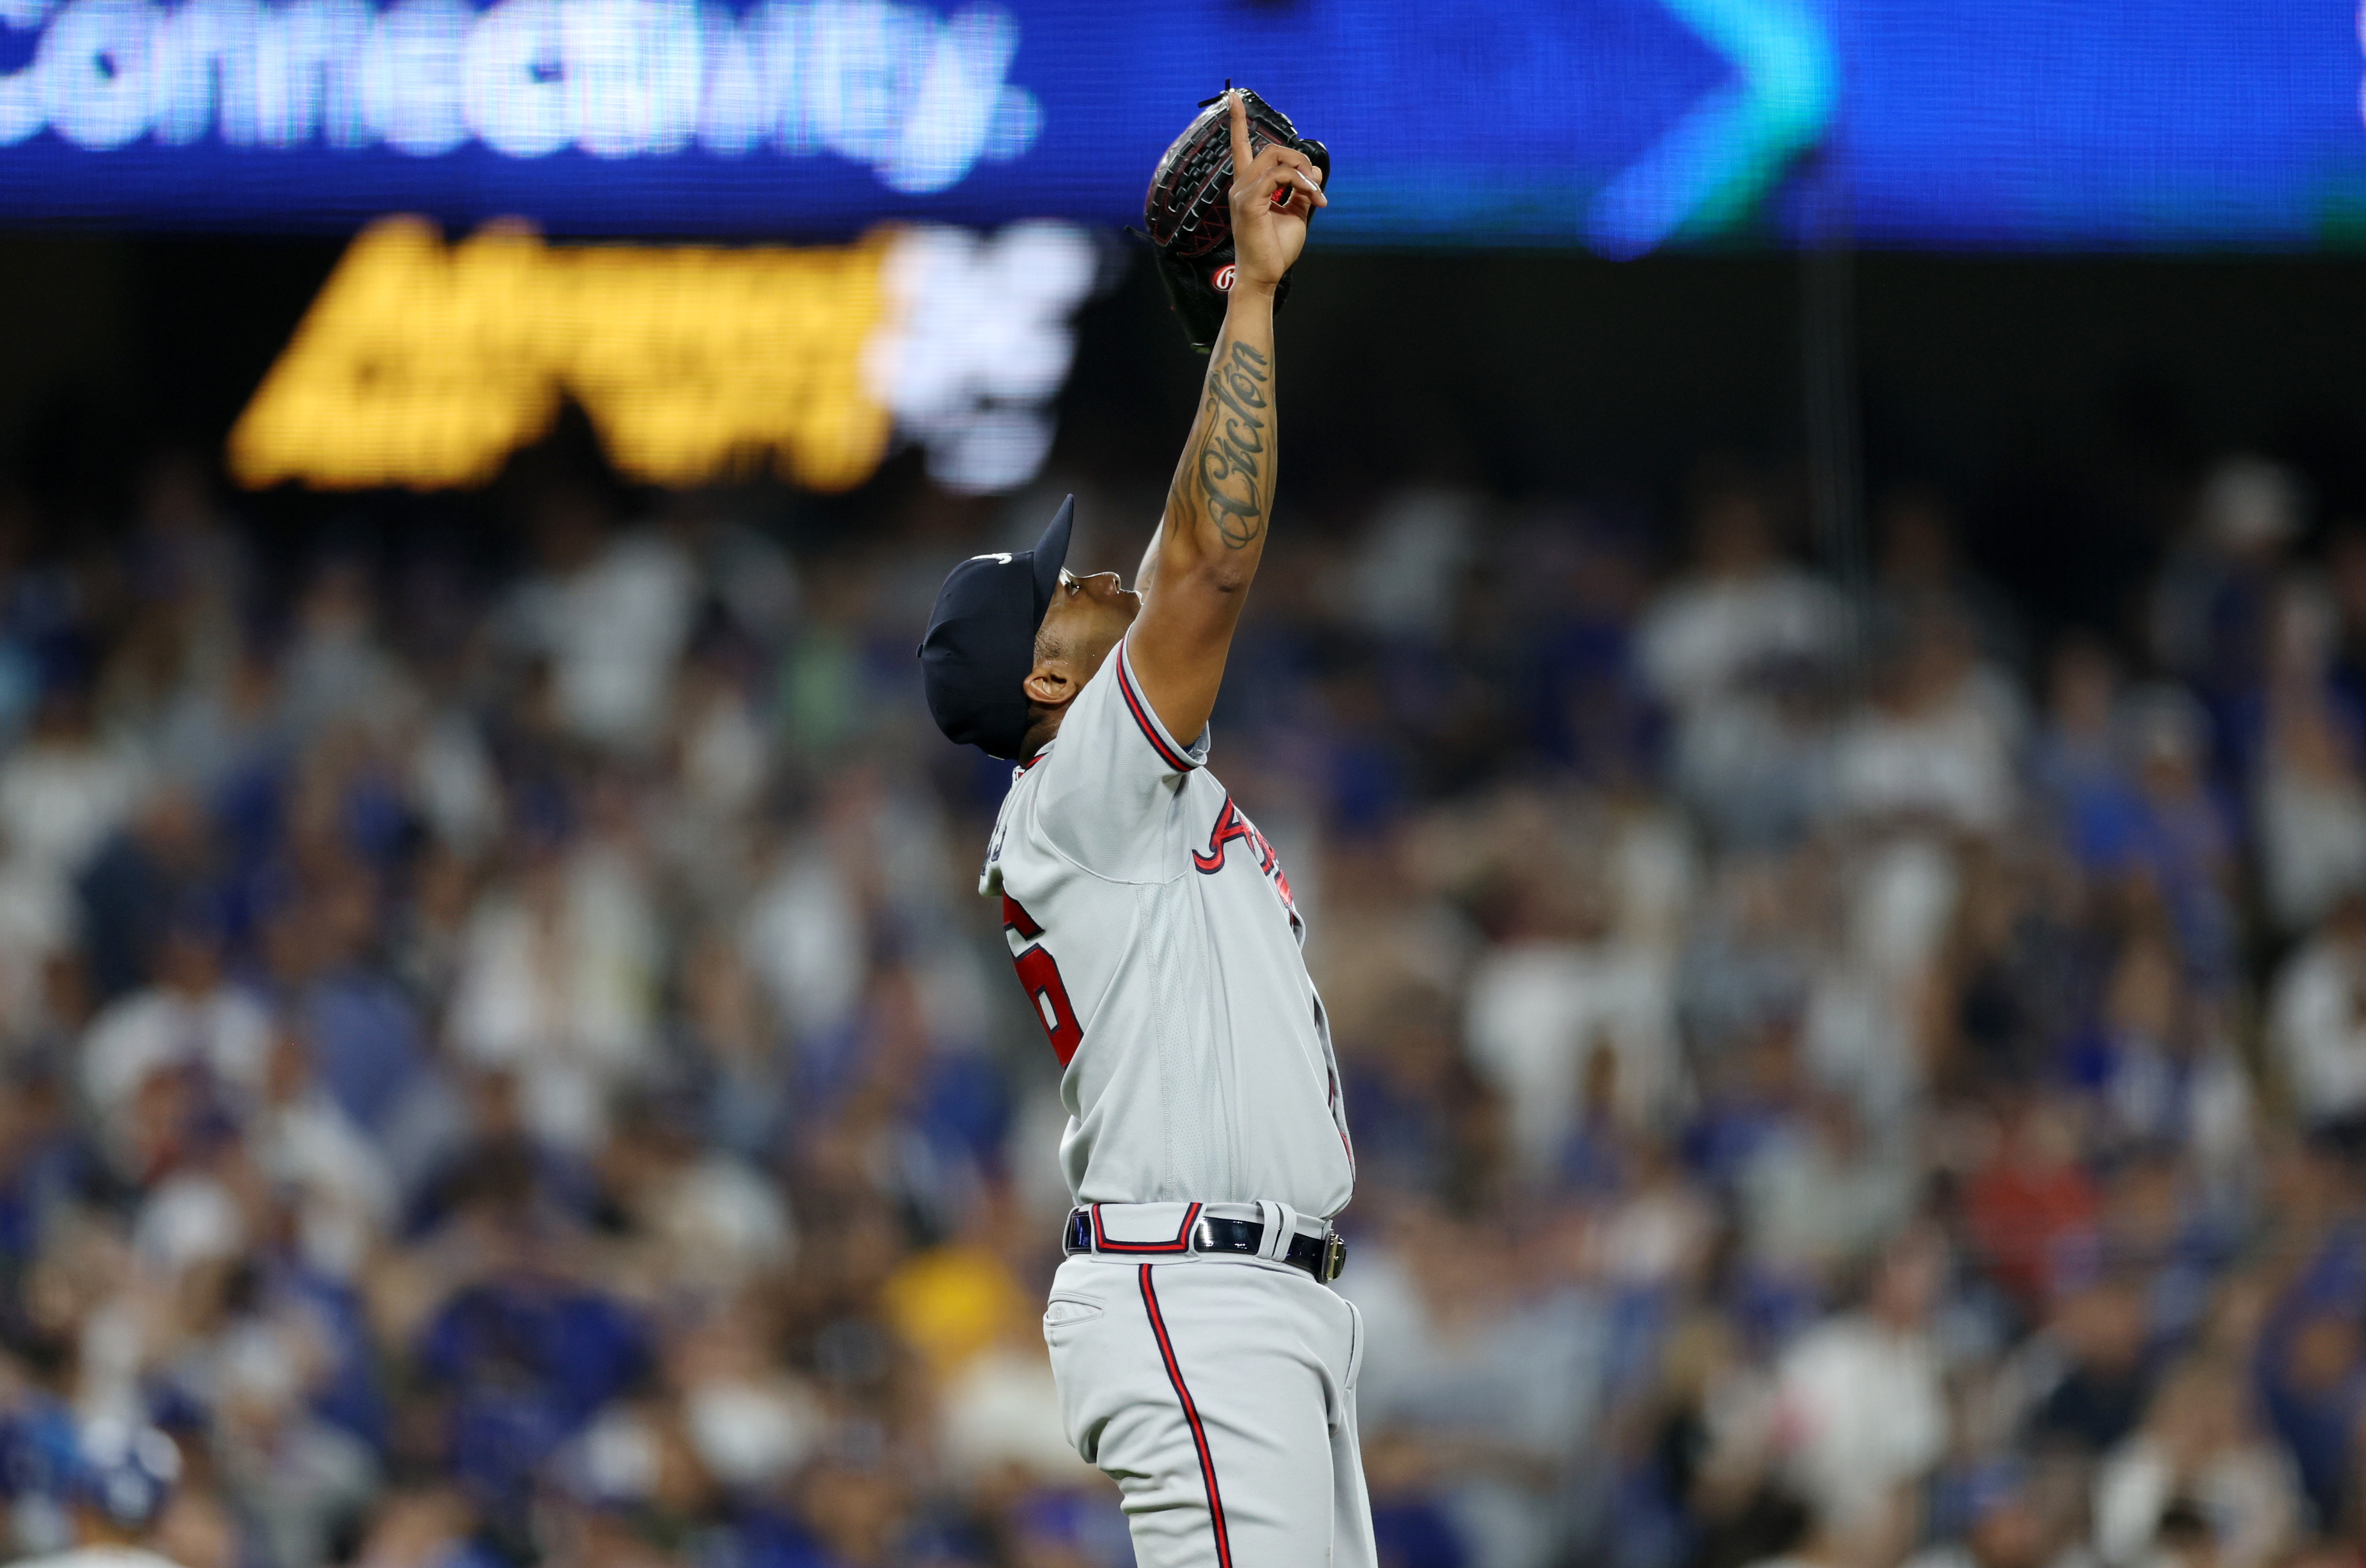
(1232, 467)
(1193, 587)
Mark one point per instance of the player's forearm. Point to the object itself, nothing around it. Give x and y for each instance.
(1218, 507)
(1212, 534)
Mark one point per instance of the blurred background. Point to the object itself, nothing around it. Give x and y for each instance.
(1811, 678)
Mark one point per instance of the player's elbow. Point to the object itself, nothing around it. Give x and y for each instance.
(1227, 576)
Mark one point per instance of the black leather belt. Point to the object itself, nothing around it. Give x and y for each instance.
(1323, 1257)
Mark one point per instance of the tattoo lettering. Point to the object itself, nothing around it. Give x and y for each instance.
(1232, 480)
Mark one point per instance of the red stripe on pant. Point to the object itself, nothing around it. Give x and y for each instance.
(1191, 1414)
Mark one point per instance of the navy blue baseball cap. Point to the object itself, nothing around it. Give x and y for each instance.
(981, 639)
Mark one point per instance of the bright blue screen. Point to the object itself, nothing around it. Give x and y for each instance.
(1621, 125)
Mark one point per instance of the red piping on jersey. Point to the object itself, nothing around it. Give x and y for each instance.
(1140, 710)
(1182, 1242)
(1332, 1103)
(1191, 1414)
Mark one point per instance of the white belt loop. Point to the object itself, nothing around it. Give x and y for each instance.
(1281, 1223)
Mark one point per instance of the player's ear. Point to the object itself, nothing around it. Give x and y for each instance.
(1049, 685)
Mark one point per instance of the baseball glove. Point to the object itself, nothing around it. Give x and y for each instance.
(1189, 218)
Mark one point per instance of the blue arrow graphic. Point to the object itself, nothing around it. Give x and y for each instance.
(1721, 156)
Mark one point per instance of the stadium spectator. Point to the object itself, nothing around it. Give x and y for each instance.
(503, 1063)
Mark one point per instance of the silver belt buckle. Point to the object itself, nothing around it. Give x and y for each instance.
(1334, 1255)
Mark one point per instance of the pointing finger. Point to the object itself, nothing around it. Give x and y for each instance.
(1241, 157)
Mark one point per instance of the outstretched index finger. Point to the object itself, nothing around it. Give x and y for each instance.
(1241, 157)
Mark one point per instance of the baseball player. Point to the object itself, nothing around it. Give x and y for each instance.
(1203, 1360)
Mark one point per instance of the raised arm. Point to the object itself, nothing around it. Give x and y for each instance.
(1198, 570)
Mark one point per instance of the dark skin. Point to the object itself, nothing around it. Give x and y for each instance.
(1178, 618)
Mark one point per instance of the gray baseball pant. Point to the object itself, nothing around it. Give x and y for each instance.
(1219, 1393)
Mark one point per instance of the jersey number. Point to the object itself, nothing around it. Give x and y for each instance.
(1039, 972)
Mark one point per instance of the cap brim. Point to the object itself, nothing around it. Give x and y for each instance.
(1051, 554)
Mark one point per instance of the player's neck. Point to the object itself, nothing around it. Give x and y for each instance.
(1040, 734)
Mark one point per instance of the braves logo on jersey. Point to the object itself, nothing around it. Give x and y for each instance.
(1233, 827)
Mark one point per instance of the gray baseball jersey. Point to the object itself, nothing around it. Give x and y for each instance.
(1155, 934)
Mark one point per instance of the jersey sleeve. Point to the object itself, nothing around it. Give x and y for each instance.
(1110, 778)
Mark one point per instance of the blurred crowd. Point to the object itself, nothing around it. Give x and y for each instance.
(504, 1061)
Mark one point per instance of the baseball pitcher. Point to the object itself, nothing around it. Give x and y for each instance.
(1204, 1362)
